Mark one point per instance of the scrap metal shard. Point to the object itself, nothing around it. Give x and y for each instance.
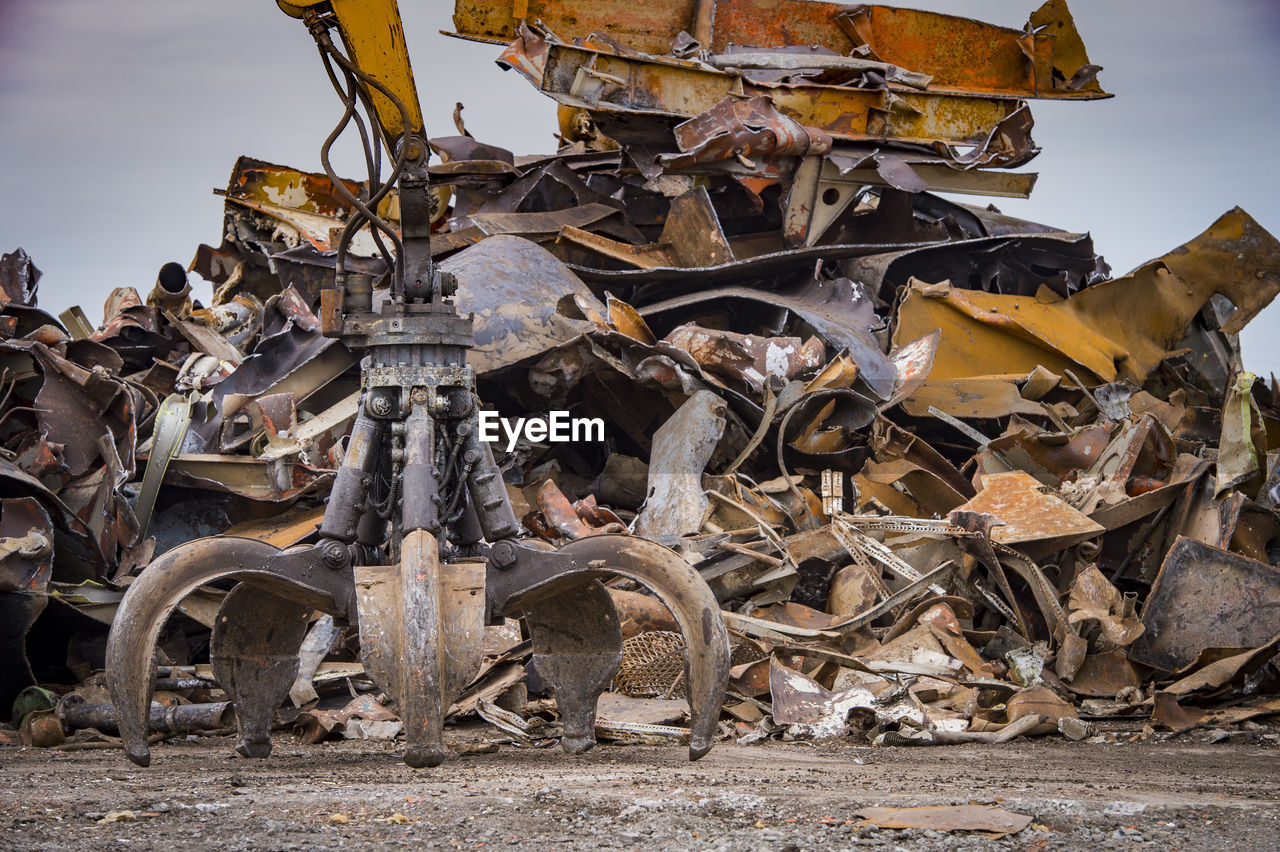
(1028, 513)
(1205, 597)
(681, 449)
(523, 317)
(1121, 328)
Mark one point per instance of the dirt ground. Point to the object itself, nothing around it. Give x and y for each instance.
(1185, 794)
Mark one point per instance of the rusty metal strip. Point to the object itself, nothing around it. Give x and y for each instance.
(282, 480)
(941, 178)
(170, 428)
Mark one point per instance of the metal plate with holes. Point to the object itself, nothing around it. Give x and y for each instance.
(420, 376)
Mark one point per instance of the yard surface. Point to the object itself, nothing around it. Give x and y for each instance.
(1185, 794)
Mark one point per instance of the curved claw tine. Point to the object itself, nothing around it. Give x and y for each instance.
(577, 649)
(147, 605)
(254, 652)
(694, 607)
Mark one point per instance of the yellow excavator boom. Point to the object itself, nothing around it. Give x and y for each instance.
(373, 36)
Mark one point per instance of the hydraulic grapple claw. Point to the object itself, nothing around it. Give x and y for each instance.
(155, 594)
(254, 652)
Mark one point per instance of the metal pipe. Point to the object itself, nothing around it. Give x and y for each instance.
(704, 21)
(172, 290)
(75, 712)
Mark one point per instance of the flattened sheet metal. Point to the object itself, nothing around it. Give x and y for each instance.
(1120, 328)
(279, 481)
(959, 53)
(283, 186)
(585, 78)
(970, 55)
(985, 334)
(1029, 514)
(682, 447)
(1012, 258)
(978, 398)
(1203, 598)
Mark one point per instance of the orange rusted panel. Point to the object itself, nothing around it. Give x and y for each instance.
(1029, 514)
(987, 334)
(960, 53)
(648, 26)
(1121, 328)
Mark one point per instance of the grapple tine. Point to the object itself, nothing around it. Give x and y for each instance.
(670, 577)
(577, 648)
(421, 634)
(254, 652)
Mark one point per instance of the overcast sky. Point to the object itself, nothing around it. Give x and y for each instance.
(118, 118)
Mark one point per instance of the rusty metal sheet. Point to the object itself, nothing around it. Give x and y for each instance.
(1147, 312)
(543, 223)
(79, 551)
(1167, 713)
(301, 365)
(651, 27)
(283, 530)
(1105, 675)
(992, 821)
(973, 56)
(939, 176)
(285, 187)
(26, 546)
(279, 481)
(958, 52)
(693, 234)
(1012, 258)
(19, 279)
(1205, 597)
(596, 79)
(1029, 514)
(1054, 457)
(986, 334)
(520, 319)
(1242, 444)
(978, 397)
(1093, 598)
(801, 701)
(907, 488)
(572, 520)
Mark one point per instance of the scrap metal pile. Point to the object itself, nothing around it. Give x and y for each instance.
(949, 479)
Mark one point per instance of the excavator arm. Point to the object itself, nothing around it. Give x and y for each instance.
(372, 35)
